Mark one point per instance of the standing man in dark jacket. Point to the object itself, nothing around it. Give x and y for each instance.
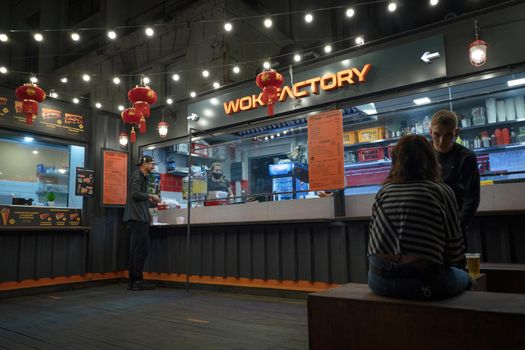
(459, 166)
(137, 216)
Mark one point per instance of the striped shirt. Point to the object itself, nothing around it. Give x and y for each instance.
(417, 218)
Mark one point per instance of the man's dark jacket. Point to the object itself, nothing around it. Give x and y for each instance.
(137, 205)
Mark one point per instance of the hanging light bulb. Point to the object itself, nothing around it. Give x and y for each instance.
(236, 69)
(477, 49)
(123, 139)
(75, 36)
(63, 80)
(149, 31)
(116, 80)
(228, 26)
(163, 128)
(112, 34)
(3, 37)
(146, 80)
(38, 37)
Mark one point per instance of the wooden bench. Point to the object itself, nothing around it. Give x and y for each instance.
(352, 317)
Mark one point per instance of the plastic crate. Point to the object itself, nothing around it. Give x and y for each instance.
(349, 137)
(370, 154)
(372, 134)
(199, 149)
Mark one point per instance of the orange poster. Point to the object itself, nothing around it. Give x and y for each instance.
(325, 151)
(114, 177)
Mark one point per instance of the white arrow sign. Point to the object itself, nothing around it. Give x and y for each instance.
(428, 57)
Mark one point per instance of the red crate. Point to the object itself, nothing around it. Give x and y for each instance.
(370, 154)
(368, 176)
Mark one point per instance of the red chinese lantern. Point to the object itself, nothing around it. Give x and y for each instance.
(142, 97)
(132, 116)
(269, 81)
(30, 95)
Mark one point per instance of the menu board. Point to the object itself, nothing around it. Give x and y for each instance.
(54, 117)
(85, 182)
(13, 216)
(114, 177)
(325, 151)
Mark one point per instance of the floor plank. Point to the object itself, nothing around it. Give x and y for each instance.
(110, 317)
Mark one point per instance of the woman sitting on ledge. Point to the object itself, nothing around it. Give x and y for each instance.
(415, 239)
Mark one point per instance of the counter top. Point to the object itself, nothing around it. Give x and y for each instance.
(238, 223)
(48, 228)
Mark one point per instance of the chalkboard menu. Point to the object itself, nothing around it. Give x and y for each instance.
(54, 117)
(85, 182)
(13, 216)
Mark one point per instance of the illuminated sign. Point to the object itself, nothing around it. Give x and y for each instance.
(304, 88)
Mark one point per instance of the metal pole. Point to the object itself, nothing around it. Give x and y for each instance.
(188, 225)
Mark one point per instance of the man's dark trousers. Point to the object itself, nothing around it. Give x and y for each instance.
(139, 237)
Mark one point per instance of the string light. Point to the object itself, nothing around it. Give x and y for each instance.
(169, 101)
(75, 36)
(193, 94)
(121, 108)
(3, 37)
(328, 48)
(112, 34)
(216, 85)
(38, 37)
(98, 105)
(76, 100)
(359, 40)
(86, 77)
(434, 2)
(149, 31)
(34, 80)
(297, 57)
(63, 80)
(266, 65)
(236, 69)
(175, 77)
(268, 22)
(205, 73)
(308, 18)
(53, 94)
(116, 80)
(350, 13)
(392, 6)
(3, 70)
(228, 26)
(146, 80)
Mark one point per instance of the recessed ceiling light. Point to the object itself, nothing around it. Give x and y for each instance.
(516, 82)
(422, 101)
(308, 18)
(75, 36)
(149, 31)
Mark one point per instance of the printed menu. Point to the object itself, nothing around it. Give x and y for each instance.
(114, 178)
(85, 182)
(13, 216)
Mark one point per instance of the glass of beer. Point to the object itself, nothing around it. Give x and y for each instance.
(473, 260)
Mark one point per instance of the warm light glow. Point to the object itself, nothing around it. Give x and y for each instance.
(163, 129)
(205, 73)
(236, 70)
(350, 13)
(434, 2)
(38, 37)
(123, 139)
(228, 27)
(3, 37)
(266, 65)
(34, 80)
(116, 80)
(193, 94)
(392, 6)
(328, 48)
(3, 70)
(268, 23)
(359, 40)
(121, 108)
(478, 53)
(75, 36)
(297, 58)
(149, 31)
(53, 94)
(86, 77)
(98, 105)
(169, 101)
(146, 80)
(62, 171)
(112, 35)
(308, 18)
(175, 77)
(76, 100)
(63, 80)
(216, 85)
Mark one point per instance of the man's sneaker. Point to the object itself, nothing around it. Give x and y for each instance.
(143, 285)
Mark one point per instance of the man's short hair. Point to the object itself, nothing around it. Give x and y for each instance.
(445, 118)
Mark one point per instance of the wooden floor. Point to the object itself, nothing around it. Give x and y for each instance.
(110, 317)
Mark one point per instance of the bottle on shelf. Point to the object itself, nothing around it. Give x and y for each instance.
(506, 136)
(513, 135)
(499, 137)
(493, 140)
(477, 142)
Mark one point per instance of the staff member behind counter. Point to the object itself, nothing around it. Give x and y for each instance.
(459, 166)
(218, 186)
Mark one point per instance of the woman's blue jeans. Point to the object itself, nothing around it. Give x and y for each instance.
(440, 283)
